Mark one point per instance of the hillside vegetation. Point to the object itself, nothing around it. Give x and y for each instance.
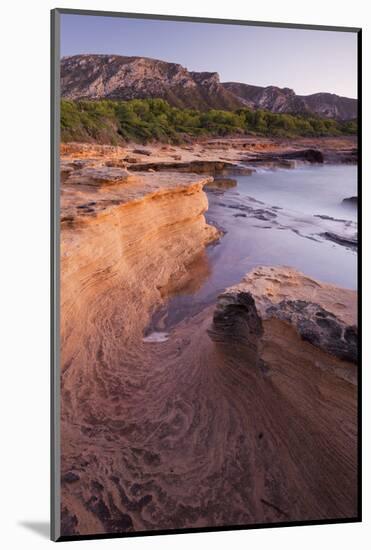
(144, 120)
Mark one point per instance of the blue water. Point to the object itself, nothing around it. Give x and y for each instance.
(316, 189)
(293, 238)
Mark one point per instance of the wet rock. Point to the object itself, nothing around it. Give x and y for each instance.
(144, 152)
(286, 163)
(330, 218)
(343, 156)
(308, 155)
(350, 201)
(242, 311)
(241, 170)
(221, 184)
(241, 207)
(264, 215)
(236, 319)
(343, 240)
(319, 327)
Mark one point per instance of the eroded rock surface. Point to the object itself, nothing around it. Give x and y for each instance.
(227, 422)
(103, 175)
(321, 314)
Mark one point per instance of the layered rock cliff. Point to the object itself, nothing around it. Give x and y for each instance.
(126, 244)
(115, 229)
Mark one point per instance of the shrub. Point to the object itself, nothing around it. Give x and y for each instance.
(143, 120)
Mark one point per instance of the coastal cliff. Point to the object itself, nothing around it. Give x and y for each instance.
(133, 236)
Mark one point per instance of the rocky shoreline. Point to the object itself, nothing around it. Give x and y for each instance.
(240, 403)
(221, 150)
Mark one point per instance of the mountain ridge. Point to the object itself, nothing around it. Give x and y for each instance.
(285, 100)
(105, 76)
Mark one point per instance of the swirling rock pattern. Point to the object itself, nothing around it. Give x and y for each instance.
(211, 427)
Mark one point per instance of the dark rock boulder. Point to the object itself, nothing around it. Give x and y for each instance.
(350, 201)
(70, 477)
(144, 152)
(310, 155)
(236, 320)
(350, 241)
(282, 159)
(319, 327)
(243, 310)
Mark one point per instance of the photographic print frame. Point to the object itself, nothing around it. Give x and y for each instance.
(56, 274)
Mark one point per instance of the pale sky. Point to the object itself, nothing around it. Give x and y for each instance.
(308, 61)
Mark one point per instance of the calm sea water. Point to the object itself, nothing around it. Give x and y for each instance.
(317, 189)
(291, 210)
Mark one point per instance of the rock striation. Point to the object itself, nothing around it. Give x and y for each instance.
(251, 402)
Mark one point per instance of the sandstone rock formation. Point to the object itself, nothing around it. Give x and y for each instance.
(244, 413)
(98, 176)
(216, 157)
(252, 425)
(319, 313)
(194, 166)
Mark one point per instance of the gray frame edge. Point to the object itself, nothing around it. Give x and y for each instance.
(55, 277)
(71, 11)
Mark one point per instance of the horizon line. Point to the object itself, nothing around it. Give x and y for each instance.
(211, 72)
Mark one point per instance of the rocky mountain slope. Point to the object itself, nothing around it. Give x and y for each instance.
(119, 77)
(94, 76)
(284, 100)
